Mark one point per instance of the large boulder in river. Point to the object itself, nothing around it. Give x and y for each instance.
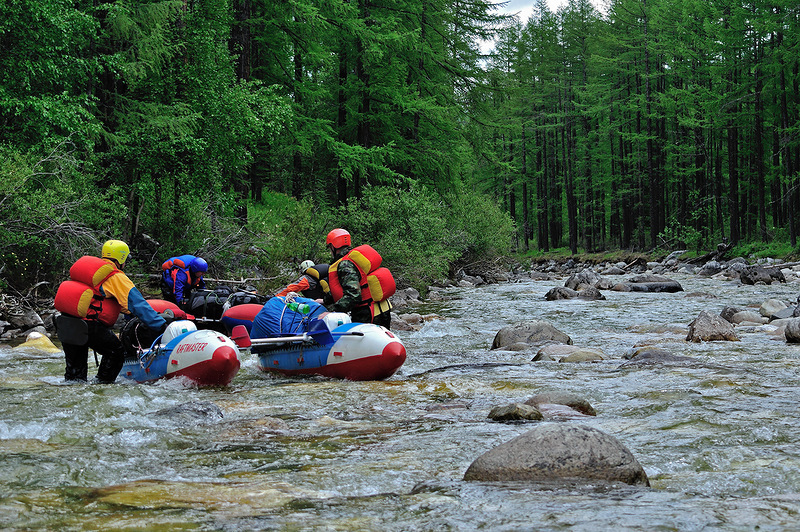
(771, 307)
(583, 279)
(761, 274)
(708, 327)
(534, 332)
(649, 283)
(792, 331)
(710, 269)
(559, 452)
(560, 292)
(563, 292)
(405, 297)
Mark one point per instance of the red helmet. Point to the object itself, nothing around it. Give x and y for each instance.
(338, 238)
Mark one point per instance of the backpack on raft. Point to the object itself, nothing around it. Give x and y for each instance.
(208, 303)
(245, 298)
(277, 318)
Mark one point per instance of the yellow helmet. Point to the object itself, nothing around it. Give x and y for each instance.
(117, 250)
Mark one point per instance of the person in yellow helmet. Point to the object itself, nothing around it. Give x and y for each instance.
(90, 303)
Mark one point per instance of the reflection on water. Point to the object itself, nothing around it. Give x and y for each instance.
(718, 438)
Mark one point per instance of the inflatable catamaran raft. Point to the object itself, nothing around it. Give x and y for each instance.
(290, 340)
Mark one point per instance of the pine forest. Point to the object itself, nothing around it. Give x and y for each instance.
(440, 131)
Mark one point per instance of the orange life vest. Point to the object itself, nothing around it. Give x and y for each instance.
(82, 295)
(377, 283)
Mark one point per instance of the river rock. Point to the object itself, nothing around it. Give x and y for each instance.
(191, 412)
(583, 279)
(563, 398)
(591, 293)
(649, 355)
(613, 270)
(782, 314)
(399, 324)
(249, 430)
(761, 274)
(39, 341)
(669, 287)
(559, 452)
(792, 331)
(553, 352)
(708, 327)
(584, 355)
(534, 332)
(515, 412)
(649, 283)
(770, 307)
(710, 268)
(748, 316)
(729, 311)
(405, 297)
(25, 319)
(560, 292)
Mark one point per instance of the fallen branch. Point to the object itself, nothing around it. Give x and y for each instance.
(247, 280)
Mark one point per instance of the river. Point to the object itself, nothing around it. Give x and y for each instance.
(719, 440)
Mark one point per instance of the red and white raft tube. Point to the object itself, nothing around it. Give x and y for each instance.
(333, 347)
(205, 357)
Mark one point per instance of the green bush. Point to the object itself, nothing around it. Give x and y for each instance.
(286, 232)
(477, 227)
(408, 229)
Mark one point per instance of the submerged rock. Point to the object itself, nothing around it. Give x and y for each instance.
(515, 412)
(563, 398)
(193, 411)
(655, 355)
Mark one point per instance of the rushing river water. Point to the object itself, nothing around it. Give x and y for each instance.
(719, 440)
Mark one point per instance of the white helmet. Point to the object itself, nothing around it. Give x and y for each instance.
(306, 264)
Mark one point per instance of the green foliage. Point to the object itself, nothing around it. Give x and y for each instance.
(478, 227)
(50, 214)
(287, 230)
(679, 236)
(408, 229)
(757, 250)
(419, 235)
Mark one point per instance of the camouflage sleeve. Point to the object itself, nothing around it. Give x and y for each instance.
(351, 287)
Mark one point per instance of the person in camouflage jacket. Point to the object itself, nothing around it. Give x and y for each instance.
(339, 244)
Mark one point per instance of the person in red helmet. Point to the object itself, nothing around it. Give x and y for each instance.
(347, 288)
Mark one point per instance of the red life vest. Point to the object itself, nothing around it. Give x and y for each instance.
(377, 283)
(82, 295)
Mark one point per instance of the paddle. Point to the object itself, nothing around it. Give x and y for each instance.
(318, 332)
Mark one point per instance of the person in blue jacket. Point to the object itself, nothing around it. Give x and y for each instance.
(180, 275)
